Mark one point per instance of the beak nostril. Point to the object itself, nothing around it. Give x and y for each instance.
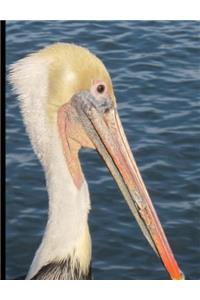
(107, 110)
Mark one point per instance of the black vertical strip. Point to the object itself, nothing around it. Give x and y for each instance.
(2, 141)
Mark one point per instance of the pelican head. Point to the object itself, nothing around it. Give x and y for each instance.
(67, 101)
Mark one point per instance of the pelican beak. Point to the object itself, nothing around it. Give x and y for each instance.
(102, 124)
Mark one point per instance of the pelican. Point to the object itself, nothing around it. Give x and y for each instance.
(67, 102)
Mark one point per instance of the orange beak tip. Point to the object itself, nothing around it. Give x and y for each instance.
(181, 277)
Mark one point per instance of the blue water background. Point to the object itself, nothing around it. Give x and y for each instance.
(155, 68)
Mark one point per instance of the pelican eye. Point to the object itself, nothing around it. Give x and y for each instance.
(100, 88)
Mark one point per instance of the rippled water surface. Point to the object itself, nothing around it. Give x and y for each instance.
(155, 68)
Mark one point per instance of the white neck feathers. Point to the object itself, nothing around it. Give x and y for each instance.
(66, 232)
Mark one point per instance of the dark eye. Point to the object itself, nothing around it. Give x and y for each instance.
(100, 88)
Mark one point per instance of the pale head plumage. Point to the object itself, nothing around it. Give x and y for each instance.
(47, 79)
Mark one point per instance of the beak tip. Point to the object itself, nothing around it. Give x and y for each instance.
(181, 276)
